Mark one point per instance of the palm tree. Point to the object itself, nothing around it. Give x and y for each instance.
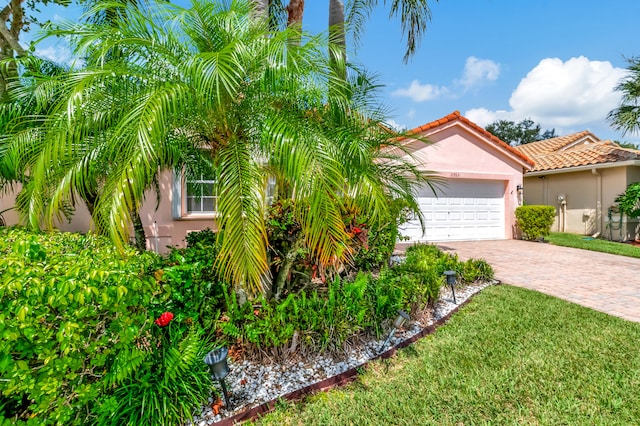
(206, 80)
(350, 17)
(626, 118)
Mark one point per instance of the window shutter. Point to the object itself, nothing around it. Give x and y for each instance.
(176, 196)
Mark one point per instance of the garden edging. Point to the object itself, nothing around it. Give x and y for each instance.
(345, 377)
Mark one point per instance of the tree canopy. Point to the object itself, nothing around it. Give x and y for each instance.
(626, 117)
(526, 131)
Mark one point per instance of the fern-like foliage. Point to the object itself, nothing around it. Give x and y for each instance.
(125, 364)
(179, 360)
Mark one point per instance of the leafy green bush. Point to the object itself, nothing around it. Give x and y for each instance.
(203, 238)
(192, 287)
(77, 326)
(477, 270)
(629, 201)
(310, 320)
(381, 239)
(535, 221)
(421, 275)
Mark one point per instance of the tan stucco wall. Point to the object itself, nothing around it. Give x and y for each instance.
(456, 152)
(581, 190)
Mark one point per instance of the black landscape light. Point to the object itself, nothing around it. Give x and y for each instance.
(397, 323)
(451, 280)
(217, 362)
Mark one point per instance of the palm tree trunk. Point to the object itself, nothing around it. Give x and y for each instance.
(138, 231)
(260, 10)
(285, 268)
(295, 11)
(337, 38)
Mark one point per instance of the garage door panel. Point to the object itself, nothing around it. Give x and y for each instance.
(465, 210)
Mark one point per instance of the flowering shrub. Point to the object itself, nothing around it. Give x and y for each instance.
(164, 319)
(76, 327)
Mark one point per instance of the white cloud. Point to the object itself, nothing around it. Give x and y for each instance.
(560, 94)
(59, 55)
(477, 71)
(421, 92)
(395, 125)
(411, 113)
(482, 116)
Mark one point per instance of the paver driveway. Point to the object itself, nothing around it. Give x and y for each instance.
(601, 281)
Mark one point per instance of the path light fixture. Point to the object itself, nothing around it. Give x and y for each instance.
(217, 362)
(397, 323)
(451, 280)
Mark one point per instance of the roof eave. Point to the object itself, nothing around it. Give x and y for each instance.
(498, 145)
(583, 168)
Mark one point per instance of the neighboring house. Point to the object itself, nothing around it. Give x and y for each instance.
(482, 182)
(481, 177)
(581, 175)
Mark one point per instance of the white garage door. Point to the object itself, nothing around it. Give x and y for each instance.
(464, 210)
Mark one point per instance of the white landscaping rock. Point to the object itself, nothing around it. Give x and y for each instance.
(263, 383)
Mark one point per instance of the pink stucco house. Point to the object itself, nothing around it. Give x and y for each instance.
(482, 182)
(480, 173)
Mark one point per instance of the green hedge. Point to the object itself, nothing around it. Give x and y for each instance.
(77, 335)
(535, 221)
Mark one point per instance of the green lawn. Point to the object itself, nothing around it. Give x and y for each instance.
(605, 246)
(512, 356)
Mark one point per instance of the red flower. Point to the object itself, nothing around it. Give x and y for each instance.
(356, 230)
(164, 319)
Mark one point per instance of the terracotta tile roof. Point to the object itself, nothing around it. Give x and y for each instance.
(555, 144)
(456, 116)
(588, 154)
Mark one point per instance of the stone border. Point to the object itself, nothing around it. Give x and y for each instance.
(341, 379)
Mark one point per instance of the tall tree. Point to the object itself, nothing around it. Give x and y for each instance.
(626, 117)
(206, 80)
(14, 20)
(414, 17)
(526, 131)
(349, 18)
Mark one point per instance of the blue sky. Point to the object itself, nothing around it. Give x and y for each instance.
(554, 61)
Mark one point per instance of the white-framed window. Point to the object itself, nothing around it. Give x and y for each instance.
(193, 198)
(201, 196)
(198, 198)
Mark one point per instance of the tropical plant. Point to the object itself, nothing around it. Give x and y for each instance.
(382, 238)
(162, 383)
(629, 201)
(347, 19)
(15, 19)
(90, 337)
(163, 85)
(626, 118)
